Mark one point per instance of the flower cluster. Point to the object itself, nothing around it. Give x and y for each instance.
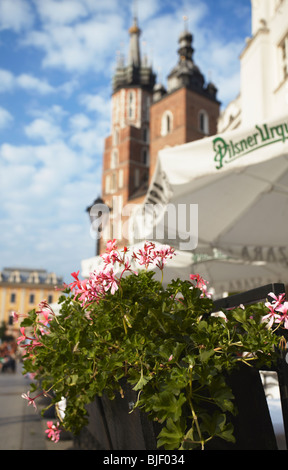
(30, 341)
(102, 280)
(278, 311)
(200, 283)
(155, 256)
(106, 279)
(53, 431)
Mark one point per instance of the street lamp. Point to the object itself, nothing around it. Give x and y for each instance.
(96, 211)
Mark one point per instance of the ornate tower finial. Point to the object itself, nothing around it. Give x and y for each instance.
(186, 22)
(134, 31)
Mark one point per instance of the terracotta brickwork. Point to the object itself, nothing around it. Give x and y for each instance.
(184, 106)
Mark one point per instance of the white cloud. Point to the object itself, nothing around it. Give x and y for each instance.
(79, 47)
(7, 80)
(96, 103)
(5, 118)
(43, 130)
(87, 133)
(15, 14)
(89, 141)
(28, 82)
(46, 175)
(66, 11)
(107, 6)
(15, 156)
(79, 122)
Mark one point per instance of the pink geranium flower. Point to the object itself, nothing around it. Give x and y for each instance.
(111, 245)
(161, 254)
(278, 311)
(53, 431)
(283, 309)
(23, 337)
(31, 401)
(272, 316)
(200, 283)
(157, 256)
(15, 316)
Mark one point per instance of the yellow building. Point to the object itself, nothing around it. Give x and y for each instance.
(21, 290)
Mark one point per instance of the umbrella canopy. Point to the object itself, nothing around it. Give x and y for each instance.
(228, 193)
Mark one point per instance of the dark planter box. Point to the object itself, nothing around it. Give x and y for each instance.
(112, 427)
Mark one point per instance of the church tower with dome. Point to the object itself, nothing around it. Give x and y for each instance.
(147, 117)
(188, 109)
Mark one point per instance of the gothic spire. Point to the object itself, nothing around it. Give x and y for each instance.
(136, 72)
(134, 48)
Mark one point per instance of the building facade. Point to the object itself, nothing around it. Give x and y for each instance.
(21, 290)
(147, 117)
(263, 69)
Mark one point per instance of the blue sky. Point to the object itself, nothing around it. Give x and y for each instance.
(57, 59)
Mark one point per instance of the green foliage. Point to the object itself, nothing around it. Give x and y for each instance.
(164, 342)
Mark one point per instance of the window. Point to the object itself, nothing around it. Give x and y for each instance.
(166, 123)
(147, 108)
(284, 58)
(146, 134)
(131, 105)
(145, 156)
(50, 299)
(107, 184)
(204, 122)
(114, 182)
(31, 299)
(13, 298)
(33, 278)
(114, 158)
(121, 179)
(14, 277)
(136, 177)
(116, 136)
(51, 279)
(116, 113)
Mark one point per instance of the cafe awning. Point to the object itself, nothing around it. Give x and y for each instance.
(226, 194)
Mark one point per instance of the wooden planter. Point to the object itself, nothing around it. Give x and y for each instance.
(112, 426)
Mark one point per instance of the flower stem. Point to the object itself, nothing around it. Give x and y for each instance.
(194, 415)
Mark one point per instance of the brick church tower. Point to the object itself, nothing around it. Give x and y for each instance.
(145, 118)
(188, 110)
(126, 153)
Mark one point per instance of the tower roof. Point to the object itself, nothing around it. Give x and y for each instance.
(136, 72)
(186, 73)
